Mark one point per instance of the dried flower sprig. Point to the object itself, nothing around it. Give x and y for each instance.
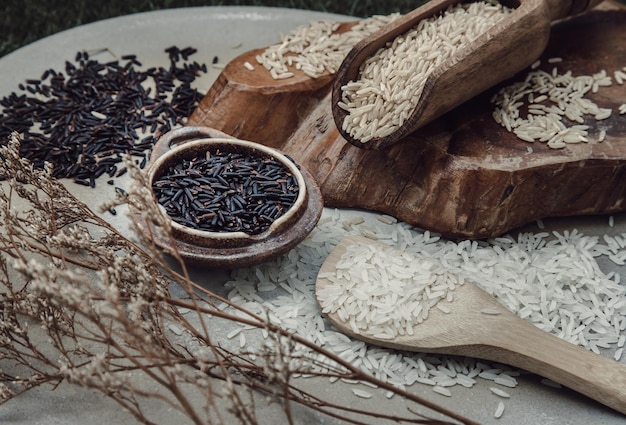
(84, 304)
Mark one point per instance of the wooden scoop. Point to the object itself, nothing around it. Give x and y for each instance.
(479, 326)
(508, 47)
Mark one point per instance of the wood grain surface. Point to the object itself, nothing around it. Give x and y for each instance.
(461, 175)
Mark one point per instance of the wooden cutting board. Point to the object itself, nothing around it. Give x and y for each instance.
(462, 175)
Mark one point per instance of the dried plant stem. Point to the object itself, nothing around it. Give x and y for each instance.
(81, 303)
(352, 372)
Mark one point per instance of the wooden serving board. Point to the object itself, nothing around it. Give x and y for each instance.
(462, 175)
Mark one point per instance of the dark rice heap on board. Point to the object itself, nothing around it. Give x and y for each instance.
(85, 118)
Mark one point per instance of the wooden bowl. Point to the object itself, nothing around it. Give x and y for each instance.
(234, 249)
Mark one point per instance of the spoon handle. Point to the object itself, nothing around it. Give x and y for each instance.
(588, 373)
(508, 339)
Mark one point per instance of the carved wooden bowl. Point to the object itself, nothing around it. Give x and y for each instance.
(233, 249)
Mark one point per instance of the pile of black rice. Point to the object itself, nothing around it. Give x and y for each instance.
(227, 192)
(84, 119)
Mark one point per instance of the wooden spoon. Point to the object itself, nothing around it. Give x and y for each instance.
(479, 326)
(508, 47)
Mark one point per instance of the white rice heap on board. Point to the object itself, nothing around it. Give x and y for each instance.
(391, 81)
(384, 291)
(315, 48)
(553, 280)
(549, 98)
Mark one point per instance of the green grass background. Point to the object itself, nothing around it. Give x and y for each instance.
(24, 21)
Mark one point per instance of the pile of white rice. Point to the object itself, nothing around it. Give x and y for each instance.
(316, 48)
(551, 107)
(553, 280)
(391, 81)
(384, 292)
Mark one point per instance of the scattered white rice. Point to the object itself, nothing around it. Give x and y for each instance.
(553, 280)
(390, 82)
(499, 410)
(362, 393)
(499, 392)
(248, 66)
(233, 333)
(442, 390)
(384, 291)
(537, 108)
(443, 308)
(98, 115)
(506, 380)
(489, 375)
(316, 48)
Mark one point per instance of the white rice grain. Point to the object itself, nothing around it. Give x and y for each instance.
(549, 99)
(499, 410)
(443, 391)
(499, 392)
(390, 81)
(362, 393)
(506, 380)
(443, 308)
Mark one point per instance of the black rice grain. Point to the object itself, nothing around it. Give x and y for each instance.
(80, 118)
(227, 192)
